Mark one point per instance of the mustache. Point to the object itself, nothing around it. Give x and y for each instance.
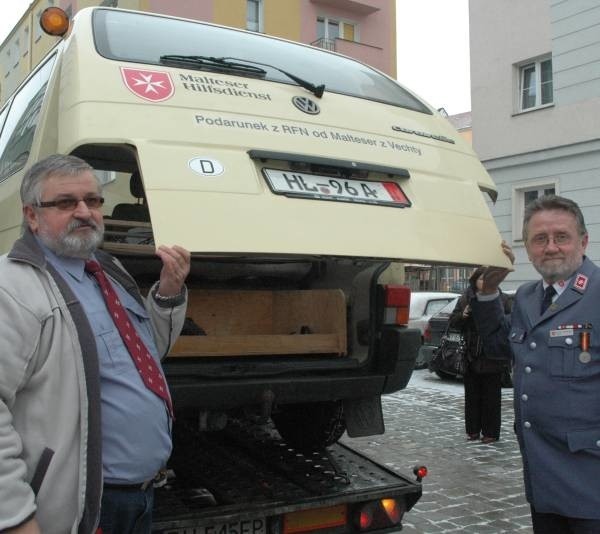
(81, 223)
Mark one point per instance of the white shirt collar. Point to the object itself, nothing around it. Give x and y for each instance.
(559, 286)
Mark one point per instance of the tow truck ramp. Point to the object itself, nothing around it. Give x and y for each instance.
(247, 480)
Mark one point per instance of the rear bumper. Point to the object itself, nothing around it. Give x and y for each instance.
(227, 394)
(231, 386)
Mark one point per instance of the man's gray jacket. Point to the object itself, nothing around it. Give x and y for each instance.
(556, 389)
(50, 392)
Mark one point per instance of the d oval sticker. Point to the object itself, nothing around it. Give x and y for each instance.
(206, 166)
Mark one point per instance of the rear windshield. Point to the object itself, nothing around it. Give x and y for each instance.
(143, 38)
(448, 308)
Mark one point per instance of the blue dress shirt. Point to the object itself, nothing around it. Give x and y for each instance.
(136, 439)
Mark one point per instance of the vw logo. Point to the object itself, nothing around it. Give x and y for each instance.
(306, 105)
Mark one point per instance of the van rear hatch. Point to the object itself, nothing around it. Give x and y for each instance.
(250, 164)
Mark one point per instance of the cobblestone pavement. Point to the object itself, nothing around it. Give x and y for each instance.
(471, 488)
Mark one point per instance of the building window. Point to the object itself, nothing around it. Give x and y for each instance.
(535, 84)
(525, 193)
(328, 30)
(254, 15)
(37, 29)
(17, 52)
(349, 31)
(26, 39)
(332, 29)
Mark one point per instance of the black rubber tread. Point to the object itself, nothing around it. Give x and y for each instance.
(310, 426)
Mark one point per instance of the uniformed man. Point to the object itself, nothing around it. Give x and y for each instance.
(554, 338)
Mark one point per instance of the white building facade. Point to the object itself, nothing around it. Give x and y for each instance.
(535, 93)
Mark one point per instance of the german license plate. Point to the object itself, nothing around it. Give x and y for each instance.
(246, 526)
(315, 186)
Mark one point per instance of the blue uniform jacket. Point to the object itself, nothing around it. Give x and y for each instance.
(556, 389)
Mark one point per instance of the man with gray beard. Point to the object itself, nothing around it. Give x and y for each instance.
(85, 412)
(554, 339)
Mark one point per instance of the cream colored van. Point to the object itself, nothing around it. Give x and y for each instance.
(294, 175)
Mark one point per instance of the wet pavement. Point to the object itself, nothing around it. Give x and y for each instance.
(471, 487)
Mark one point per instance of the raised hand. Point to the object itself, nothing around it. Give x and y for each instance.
(176, 267)
(494, 276)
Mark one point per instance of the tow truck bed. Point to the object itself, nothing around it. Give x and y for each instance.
(257, 480)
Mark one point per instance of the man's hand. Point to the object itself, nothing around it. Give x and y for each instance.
(494, 276)
(31, 527)
(176, 267)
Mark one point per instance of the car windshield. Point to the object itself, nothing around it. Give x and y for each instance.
(144, 38)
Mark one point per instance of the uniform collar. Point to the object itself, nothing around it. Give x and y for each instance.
(559, 286)
(577, 281)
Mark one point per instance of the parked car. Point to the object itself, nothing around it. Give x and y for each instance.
(432, 334)
(435, 329)
(425, 304)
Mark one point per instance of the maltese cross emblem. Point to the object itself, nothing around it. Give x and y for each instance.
(151, 85)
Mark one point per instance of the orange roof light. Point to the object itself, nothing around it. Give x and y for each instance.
(54, 21)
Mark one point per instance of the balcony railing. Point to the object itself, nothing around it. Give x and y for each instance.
(327, 44)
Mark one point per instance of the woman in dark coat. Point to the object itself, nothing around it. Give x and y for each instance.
(482, 380)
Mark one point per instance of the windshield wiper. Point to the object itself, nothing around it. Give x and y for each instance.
(233, 63)
(211, 63)
(316, 90)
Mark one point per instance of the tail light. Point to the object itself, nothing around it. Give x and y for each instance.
(319, 519)
(392, 510)
(427, 334)
(382, 514)
(397, 304)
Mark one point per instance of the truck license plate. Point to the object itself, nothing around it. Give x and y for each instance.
(246, 526)
(318, 187)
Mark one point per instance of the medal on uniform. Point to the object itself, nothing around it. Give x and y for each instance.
(584, 340)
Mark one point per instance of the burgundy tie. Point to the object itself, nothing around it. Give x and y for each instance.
(149, 370)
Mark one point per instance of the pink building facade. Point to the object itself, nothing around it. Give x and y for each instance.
(372, 34)
(362, 29)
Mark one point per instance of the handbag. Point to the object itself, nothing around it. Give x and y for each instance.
(451, 355)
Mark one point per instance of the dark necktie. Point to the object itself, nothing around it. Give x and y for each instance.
(549, 292)
(149, 370)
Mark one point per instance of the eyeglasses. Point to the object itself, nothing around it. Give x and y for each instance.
(542, 240)
(71, 203)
